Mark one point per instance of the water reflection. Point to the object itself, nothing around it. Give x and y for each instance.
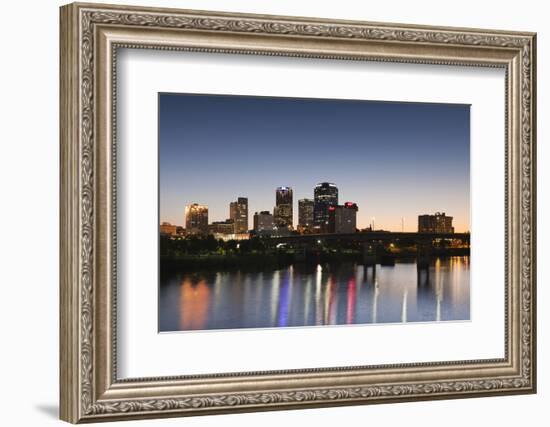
(302, 295)
(194, 301)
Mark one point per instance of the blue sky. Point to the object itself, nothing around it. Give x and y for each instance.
(395, 160)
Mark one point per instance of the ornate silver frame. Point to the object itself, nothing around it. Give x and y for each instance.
(90, 36)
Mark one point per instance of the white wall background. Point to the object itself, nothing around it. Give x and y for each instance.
(29, 171)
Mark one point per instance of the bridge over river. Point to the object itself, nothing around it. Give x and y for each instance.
(372, 236)
(373, 243)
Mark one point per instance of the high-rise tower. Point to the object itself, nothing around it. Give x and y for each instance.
(238, 213)
(196, 219)
(325, 195)
(282, 213)
(305, 215)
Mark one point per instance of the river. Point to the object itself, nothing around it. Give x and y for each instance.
(316, 295)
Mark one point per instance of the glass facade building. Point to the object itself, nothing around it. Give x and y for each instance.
(325, 195)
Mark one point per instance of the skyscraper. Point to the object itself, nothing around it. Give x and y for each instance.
(305, 214)
(238, 213)
(325, 194)
(196, 219)
(282, 213)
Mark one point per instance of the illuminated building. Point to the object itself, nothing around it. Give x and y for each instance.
(167, 229)
(342, 218)
(222, 227)
(305, 215)
(263, 221)
(226, 237)
(437, 223)
(238, 213)
(196, 219)
(282, 213)
(325, 195)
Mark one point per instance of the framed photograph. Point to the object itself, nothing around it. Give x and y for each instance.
(265, 212)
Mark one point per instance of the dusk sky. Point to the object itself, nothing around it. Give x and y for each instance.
(395, 160)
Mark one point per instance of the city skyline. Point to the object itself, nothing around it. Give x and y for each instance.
(226, 150)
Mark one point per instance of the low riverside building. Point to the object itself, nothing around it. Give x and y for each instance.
(222, 227)
(232, 236)
(437, 223)
(167, 229)
(263, 222)
(342, 219)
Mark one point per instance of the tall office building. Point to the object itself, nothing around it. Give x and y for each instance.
(437, 223)
(238, 213)
(325, 195)
(196, 219)
(342, 218)
(305, 214)
(282, 213)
